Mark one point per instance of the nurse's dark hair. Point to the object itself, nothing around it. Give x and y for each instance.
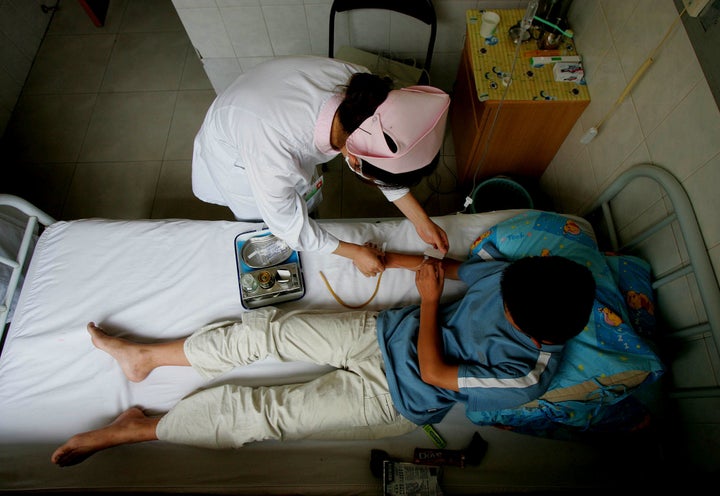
(400, 180)
(363, 95)
(364, 92)
(549, 298)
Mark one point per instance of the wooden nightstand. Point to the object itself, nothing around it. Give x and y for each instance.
(534, 118)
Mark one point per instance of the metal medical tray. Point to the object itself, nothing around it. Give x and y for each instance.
(269, 272)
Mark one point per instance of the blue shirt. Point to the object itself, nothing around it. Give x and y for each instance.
(499, 366)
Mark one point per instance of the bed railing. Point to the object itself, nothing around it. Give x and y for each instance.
(34, 218)
(698, 263)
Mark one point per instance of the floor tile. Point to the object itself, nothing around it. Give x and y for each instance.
(174, 197)
(360, 200)
(5, 116)
(193, 76)
(50, 128)
(44, 185)
(129, 127)
(112, 190)
(331, 205)
(190, 109)
(25, 26)
(146, 62)
(16, 66)
(70, 64)
(439, 192)
(71, 18)
(150, 16)
(107, 118)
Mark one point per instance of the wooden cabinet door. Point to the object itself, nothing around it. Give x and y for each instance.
(464, 119)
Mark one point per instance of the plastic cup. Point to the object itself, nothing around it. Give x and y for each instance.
(488, 24)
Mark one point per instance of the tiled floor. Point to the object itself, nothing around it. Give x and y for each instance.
(105, 124)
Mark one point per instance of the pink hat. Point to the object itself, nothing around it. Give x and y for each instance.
(414, 118)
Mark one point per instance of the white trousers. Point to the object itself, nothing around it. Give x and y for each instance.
(352, 402)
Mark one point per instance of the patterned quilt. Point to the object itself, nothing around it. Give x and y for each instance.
(611, 358)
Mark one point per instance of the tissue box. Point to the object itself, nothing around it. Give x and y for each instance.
(568, 71)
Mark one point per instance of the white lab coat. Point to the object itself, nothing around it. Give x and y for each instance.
(262, 139)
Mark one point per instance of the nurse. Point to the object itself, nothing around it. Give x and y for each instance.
(261, 141)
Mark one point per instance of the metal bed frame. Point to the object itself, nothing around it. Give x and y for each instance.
(697, 264)
(36, 218)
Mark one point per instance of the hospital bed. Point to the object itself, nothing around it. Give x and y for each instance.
(608, 423)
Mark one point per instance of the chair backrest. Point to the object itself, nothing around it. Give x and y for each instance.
(422, 10)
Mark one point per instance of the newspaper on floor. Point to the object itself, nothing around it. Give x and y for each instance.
(409, 479)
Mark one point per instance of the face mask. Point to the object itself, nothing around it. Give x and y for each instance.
(358, 170)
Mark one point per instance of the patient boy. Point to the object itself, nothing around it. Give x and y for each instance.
(497, 347)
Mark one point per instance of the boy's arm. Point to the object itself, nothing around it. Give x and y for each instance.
(434, 369)
(394, 260)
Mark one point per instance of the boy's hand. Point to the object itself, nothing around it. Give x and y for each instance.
(430, 279)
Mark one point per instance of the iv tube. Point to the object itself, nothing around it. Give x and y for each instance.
(529, 15)
(524, 25)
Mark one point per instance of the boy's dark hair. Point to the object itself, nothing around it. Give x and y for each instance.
(549, 298)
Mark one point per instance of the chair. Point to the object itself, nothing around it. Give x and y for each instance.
(402, 73)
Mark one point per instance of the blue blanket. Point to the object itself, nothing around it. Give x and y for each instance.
(610, 358)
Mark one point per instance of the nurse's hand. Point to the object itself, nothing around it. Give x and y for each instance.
(368, 259)
(432, 234)
(428, 231)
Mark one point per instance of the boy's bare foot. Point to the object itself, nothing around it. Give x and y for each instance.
(133, 358)
(131, 426)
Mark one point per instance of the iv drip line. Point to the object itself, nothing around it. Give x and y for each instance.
(525, 25)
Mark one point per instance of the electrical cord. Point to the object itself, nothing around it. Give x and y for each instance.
(434, 181)
(593, 131)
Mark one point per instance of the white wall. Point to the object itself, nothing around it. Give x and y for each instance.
(233, 35)
(22, 27)
(670, 119)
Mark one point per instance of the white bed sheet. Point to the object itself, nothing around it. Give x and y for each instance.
(161, 279)
(158, 280)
